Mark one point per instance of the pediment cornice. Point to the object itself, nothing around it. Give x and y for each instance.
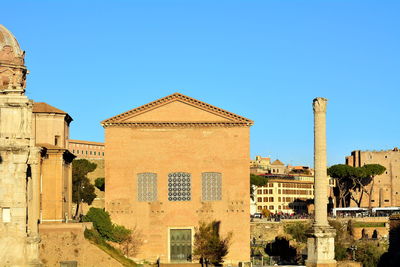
(231, 119)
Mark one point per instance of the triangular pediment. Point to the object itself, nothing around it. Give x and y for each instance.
(176, 109)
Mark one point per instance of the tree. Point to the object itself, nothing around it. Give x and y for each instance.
(372, 170)
(209, 246)
(256, 180)
(82, 189)
(351, 179)
(131, 245)
(100, 183)
(342, 174)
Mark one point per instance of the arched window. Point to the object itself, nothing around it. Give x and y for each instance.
(179, 186)
(211, 186)
(147, 186)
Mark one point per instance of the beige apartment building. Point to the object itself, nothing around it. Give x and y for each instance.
(387, 186)
(285, 194)
(173, 163)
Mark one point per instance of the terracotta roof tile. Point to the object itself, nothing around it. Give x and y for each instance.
(42, 107)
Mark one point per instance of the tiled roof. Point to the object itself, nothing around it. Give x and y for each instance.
(50, 146)
(42, 107)
(277, 162)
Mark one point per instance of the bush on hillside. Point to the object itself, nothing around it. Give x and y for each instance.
(102, 223)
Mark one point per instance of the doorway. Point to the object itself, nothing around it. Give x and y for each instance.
(180, 245)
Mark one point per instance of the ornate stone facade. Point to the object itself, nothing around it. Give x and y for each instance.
(19, 160)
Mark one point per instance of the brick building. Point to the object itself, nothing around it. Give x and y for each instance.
(386, 186)
(173, 163)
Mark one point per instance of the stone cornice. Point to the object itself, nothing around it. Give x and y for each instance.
(175, 124)
(177, 97)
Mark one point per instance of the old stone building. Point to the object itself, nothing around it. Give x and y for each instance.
(19, 160)
(50, 129)
(386, 191)
(175, 162)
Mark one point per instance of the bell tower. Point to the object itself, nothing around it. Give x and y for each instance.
(19, 159)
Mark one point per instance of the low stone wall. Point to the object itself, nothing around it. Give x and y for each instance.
(66, 242)
(381, 232)
(349, 264)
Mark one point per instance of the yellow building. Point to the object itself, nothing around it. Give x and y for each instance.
(173, 163)
(285, 194)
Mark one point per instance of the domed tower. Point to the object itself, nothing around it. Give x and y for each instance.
(19, 158)
(12, 68)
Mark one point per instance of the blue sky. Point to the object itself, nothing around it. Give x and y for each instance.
(265, 60)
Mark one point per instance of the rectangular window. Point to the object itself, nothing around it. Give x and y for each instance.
(259, 199)
(6, 215)
(265, 191)
(179, 186)
(56, 140)
(147, 186)
(259, 191)
(270, 191)
(265, 199)
(212, 186)
(279, 199)
(271, 207)
(271, 199)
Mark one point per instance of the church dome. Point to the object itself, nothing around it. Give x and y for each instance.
(10, 51)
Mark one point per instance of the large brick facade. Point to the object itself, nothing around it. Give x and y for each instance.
(386, 192)
(204, 146)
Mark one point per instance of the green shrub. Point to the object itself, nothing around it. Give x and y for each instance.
(369, 224)
(103, 225)
(369, 252)
(340, 252)
(100, 183)
(120, 233)
(298, 231)
(94, 237)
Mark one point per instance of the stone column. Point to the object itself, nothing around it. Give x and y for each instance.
(321, 243)
(320, 172)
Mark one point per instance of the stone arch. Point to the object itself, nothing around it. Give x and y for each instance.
(364, 234)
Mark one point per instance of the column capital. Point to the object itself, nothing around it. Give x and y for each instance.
(319, 105)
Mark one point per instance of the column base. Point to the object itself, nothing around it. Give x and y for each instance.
(321, 247)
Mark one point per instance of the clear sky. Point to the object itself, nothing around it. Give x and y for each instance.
(265, 60)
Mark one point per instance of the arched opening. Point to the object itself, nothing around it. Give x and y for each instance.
(375, 234)
(363, 234)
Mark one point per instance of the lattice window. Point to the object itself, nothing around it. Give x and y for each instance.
(147, 186)
(179, 186)
(212, 186)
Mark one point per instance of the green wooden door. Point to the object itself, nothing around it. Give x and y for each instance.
(181, 245)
